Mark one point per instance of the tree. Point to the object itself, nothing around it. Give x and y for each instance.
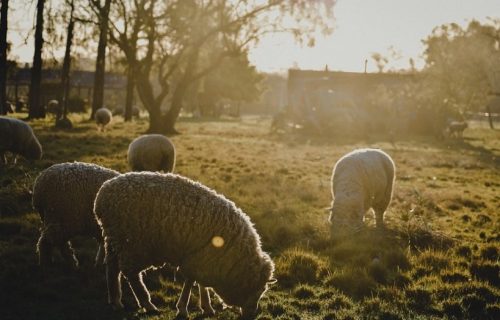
(65, 78)
(459, 62)
(36, 109)
(176, 40)
(100, 64)
(3, 55)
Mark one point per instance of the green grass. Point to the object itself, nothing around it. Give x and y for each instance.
(439, 257)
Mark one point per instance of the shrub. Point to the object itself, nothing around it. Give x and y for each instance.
(299, 266)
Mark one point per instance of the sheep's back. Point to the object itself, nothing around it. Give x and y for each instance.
(64, 194)
(166, 217)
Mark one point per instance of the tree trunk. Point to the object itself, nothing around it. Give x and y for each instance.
(100, 63)
(65, 79)
(3, 55)
(129, 99)
(490, 119)
(169, 120)
(37, 110)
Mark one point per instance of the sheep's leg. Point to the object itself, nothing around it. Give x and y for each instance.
(68, 253)
(44, 249)
(183, 302)
(205, 303)
(3, 158)
(140, 292)
(114, 285)
(381, 205)
(99, 258)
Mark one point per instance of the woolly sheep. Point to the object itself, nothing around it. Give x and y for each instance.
(17, 137)
(456, 128)
(102, 117)
(151, 152)
(64, 195)
(361, 179)
(149, 219)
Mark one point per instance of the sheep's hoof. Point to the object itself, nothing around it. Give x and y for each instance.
(181, 315)
(208, 313)
(117, 305)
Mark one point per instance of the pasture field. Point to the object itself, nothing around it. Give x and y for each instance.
(439, 257)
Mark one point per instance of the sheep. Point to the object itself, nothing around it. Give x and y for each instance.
(149, 219)
(17, 137)
(63, 195)
(151, 152)
(456, 128)
(102, 117)
(55, 108)
(361, 179)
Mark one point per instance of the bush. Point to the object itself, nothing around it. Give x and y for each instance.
(299, 266)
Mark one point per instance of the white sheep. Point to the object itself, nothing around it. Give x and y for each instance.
(456, 128)
(63, 195)
(361, 179)
(17, 137)
(149, 219)
(102, 118)
(151, 152)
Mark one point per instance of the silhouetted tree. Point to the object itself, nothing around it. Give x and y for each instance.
(178, 36)
(100, 64)
(36, 109)
(65, 76)
(3, 55)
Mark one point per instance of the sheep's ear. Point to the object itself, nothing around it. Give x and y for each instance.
(272, 281)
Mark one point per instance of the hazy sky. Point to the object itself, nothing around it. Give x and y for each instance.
(362, 27)
(367, 26)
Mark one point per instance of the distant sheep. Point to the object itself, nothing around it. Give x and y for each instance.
(149, 219)
(361, 179)
(64, 197)
(17, 137)
(456, 128)
(152, 152)
(102, 117)
(55, 108)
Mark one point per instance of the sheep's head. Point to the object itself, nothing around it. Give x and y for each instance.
(32, 149)
(247, 293)
(345, 219)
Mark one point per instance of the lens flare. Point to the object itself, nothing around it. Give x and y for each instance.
(217, 242)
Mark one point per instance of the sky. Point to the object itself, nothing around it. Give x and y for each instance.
(362, 27)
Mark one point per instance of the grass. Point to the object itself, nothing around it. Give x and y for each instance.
(439, 257)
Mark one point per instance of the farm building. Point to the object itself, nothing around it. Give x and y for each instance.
(82, 84)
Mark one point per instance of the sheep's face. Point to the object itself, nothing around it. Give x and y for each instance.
(33, 150)
(345, 220)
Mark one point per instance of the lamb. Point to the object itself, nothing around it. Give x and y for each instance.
(17, 137)
(102, 117)
(361, 179)
(149, 219)
(456, 128)
(151, 152)
(63, 195)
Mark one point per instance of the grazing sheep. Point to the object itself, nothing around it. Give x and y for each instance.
(64, 197)
(102, 117)
(151, 152)
(17, 137)
(149, 219)
(55, 108)
(361, 179)
(456, 128)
